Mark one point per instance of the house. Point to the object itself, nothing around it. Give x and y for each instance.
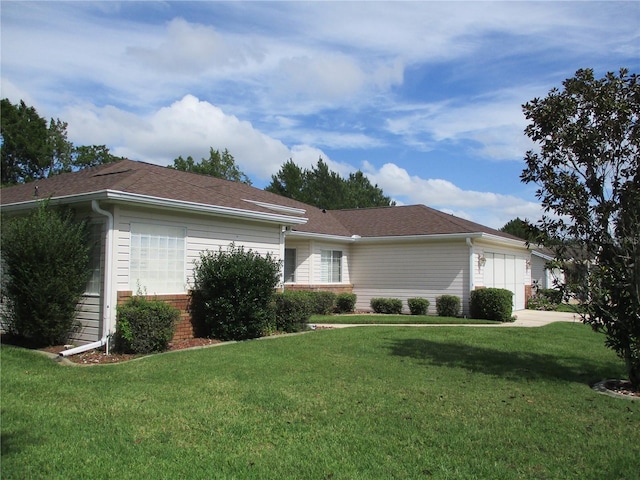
(543, 274)
(151, 223)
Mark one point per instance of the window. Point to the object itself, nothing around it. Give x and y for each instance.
(289, 265)
(96, 237)
(157, 259)
(331, 266)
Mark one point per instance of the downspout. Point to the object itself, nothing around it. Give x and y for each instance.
(107, 289)
(471, 267)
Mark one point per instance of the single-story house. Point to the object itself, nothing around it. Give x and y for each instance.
(151, 223)
(543, 274)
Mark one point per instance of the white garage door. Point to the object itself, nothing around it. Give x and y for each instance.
(503, 271)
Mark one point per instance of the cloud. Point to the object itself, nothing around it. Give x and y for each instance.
(488, 208)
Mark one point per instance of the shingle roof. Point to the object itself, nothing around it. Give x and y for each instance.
(149, 180)
(408, 220)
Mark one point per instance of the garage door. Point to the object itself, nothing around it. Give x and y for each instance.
(503, 271)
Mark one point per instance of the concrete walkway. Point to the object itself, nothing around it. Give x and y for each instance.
(525, 318)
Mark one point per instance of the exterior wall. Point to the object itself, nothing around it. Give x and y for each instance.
(89, 316)
(308, 273)
(410, 269)
(202, 233)
(520, 284)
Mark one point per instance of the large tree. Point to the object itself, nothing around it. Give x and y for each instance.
(587, 169)
(32, 149)
(324, 188)
(219, 164)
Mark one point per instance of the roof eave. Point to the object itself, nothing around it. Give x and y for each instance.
(158, 202)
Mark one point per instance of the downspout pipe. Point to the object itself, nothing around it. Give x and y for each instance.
(107, 289)
(471, 265)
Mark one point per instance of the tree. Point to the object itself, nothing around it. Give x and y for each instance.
(46, 267)
(587, 169)
(220, 165)
(31, 150)
(522, 229)
(25, 143)
(324, 188)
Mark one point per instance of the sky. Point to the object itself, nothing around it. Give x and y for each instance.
(424, 97)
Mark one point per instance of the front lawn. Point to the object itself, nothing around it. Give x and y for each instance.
(389, 402)
(371, 319)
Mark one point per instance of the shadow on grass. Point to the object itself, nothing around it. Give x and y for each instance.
(516, 365)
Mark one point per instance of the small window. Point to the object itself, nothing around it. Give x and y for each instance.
(289, 265)
(157, 259)
(331, 266)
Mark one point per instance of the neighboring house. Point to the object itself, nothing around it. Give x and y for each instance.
(151, 223)
(543, 275)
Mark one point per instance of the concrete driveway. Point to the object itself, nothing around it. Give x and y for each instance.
(524, 318)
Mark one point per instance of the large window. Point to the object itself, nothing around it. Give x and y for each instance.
(157, 259)
(289, 265)
(331, 266)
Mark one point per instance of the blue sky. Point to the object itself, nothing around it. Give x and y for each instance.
(424, 97)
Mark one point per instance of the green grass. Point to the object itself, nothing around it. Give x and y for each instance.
(361, 403)
(369, 319)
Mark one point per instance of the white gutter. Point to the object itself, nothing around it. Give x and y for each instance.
(471, 264)
(158, 202)
(106, 317)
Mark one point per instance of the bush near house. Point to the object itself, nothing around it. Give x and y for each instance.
(145, 326)
(386, 305)
(346, 302)
(232, 296)
(492, 304)
(448, 306)
(46, 267)
(323, 303)
(418, 306)
(293, 310)
(545, 299)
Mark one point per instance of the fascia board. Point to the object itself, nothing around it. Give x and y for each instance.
(321, 236)
(157, 202)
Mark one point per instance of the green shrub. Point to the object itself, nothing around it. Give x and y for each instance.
(46, 267)
(346, 302)
(145, 326)
(540, 302)
(386, 305)
(448, 306)
(293, 310)
(553, 295)
(492, 304)
(323, 302)
(418, 306)
(232, 296)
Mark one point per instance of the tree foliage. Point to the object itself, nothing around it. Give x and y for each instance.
(522, 229)
(324, 188)
(45, 261)
(587, 169)
(32, 149)
(220, 165)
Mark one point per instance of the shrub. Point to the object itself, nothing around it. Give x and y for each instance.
(540, 302)
(448, 306)
(551, 294)
(323, 302)
(492, 304)
(346, 302)
(46, 267)
(293, 310)
(145, 326)
(418, 306)
(386, 305)
(232, 296)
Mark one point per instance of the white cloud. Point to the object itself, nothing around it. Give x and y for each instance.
(488, 208)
